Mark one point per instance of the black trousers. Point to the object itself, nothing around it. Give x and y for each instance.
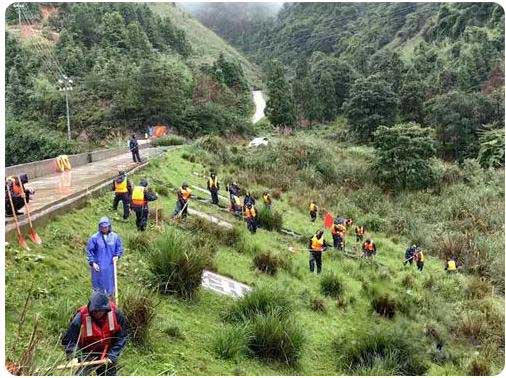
(125, 199)
(313, 215)
(360, 238)
(338, 242)
(315, 257)
(214, 196)
(136, 156)
(18, 204)
(180, 205)
(252, 225)
(419, 264)
(141, 217)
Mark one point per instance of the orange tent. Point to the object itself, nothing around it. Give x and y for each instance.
(158, 131)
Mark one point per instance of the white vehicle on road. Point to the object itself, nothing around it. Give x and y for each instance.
(257, 142)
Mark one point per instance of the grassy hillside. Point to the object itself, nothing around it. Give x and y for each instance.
(206, 45)
(463, 312)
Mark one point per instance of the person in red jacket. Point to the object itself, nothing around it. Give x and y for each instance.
(97, 332)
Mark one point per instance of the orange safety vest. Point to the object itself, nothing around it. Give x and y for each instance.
(213, 183)
(138, 196)
(267, 199)
(317, 244)
(121, 187)
(95, 338)
(185, 193)
(368, 246)
(359, 230)
(250, 213)
(17, 188)
(419, 256)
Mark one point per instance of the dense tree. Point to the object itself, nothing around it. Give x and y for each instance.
(280, 107)
(457, 117)
(372, 103)
(491, 152)
(403, 156)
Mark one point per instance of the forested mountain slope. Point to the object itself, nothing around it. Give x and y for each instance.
(130, 67)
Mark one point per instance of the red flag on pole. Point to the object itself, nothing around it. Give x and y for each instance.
(328, 220)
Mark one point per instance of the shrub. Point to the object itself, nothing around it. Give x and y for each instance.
(331, 285)
(267, 262)
(139, 310)
(232, 342)
(261, 301)
(384, 305)
(396, 351)
(220, 235)
(174, 332)
(373, 222)
(139, 242)
(214, 145)
(276, 194)
(176, 265)
(168, 140)
(408, 281)
(317, 305)
(246, 245)
(276, 338)
(477, 288)
(162, 190)
(479, 367)
(270, 219)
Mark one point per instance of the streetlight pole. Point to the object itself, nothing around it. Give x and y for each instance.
(67, 86)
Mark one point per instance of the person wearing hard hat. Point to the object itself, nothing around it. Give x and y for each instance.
(213, 186)
(368, 248)
(141, 195)
(250, 214)
(313, 211)
(317, 245)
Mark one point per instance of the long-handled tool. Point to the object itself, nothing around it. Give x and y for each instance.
(21, 239)
(184, 207)
(33, 234)
(114, 262)
(73, 365)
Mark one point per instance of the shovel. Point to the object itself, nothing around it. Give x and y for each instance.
(33, 234)
(21, 239)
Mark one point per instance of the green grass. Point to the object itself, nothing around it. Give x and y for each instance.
(58, 276)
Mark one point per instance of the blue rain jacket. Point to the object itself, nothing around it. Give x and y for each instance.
(101, 249)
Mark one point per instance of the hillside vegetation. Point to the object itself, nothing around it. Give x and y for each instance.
(130, 67)
(359, 317)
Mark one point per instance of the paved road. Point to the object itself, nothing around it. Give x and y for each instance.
(57, 187)
(259, 100)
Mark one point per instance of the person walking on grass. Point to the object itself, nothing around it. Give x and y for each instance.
(409, 255)
(419, 258)
(122, 188)
(313, 211)
(317, 245)
(267, 200)
(338, 232)
(250, 214)
(141, 196)
(103, 249)
(368, 249)
(359, 233)
(213, 186)
(183, 197)
(133, 145)
(98, 331)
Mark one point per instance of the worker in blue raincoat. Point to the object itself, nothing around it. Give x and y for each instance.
(103, 248)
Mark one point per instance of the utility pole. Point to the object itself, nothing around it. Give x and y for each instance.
(19, 6)
(66, 84)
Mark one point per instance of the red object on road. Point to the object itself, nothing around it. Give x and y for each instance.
(328, 220)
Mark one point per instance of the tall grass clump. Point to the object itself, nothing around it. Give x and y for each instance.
(384, 305)
(232, 341)
(139, 242)
(219, 235)
(262, 301)
(168, 140)
(268, 262)
(382, 350)
(269, 219)
(276, 338)
(139, 310)
(331, 285)
(176, 265)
